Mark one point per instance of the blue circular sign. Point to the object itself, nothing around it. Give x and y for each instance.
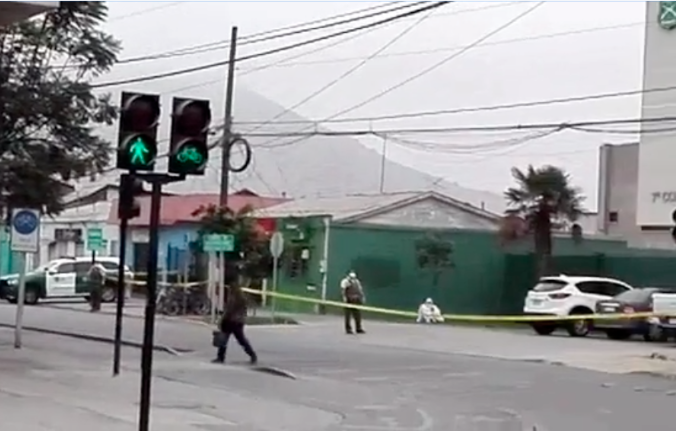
(25, 222)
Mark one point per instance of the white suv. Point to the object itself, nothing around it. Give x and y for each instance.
(569, 295)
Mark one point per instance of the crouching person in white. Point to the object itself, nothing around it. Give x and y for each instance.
(428, 312)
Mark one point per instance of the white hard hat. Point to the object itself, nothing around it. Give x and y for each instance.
(429, 301)
(352, 274)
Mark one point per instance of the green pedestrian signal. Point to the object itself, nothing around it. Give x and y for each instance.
(137, 133)
(141, 152)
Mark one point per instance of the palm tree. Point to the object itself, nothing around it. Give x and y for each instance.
(546, 200)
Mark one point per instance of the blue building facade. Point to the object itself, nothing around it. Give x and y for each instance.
(174, 248)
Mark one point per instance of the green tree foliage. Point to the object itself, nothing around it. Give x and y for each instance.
(48, 112)
(546, 200)
(435, 254)
(251, 258)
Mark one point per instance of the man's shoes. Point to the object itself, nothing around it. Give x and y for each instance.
(361, 331)
(218, 361)
(349, 331)
(253, 361)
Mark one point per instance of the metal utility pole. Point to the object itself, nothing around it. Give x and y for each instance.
(383, 164)
(227, 121)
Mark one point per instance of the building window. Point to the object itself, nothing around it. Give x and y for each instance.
(613, 217)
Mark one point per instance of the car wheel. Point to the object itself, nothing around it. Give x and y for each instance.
(618, 334)
(31, 297)
(655, 333)
(543, 328)
(108, 295)
(579, 328)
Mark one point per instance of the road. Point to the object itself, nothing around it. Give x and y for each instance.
(396, 377)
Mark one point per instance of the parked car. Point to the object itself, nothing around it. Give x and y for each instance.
(61, 279)
(568, 296)
(632, 301)
(664, 305)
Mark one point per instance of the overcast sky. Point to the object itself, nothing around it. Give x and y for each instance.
(558, 50)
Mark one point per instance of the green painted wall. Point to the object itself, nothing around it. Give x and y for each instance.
(486, 278)
(299, 234)
(385, 260)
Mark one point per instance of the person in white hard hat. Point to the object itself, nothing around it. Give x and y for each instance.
(428, 312)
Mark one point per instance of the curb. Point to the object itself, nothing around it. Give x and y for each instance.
(95, 338)
(274, 371)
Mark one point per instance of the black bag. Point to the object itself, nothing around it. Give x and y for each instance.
(218, 339)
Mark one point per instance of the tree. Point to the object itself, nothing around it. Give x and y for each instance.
(435, 254)
(251, 258)
(546, 200)
(48, 111)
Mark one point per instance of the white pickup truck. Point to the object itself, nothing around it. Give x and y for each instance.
(664, 305)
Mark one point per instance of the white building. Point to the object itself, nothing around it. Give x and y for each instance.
(66, 234)
(637, 181)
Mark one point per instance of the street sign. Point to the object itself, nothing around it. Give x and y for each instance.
(25, 230)
(277, 244)
(95, 240)
(219, 243)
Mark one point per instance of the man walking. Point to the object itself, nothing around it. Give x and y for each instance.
(232, 323)
(353, 294)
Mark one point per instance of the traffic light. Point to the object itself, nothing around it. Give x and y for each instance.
(673, 230)
(137, 135)
(127, 206)
(189, 150)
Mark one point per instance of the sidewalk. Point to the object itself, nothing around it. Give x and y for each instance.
(46, 388)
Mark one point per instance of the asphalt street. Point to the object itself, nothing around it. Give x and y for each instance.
(397, 377)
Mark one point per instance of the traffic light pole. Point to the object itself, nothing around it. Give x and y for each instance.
(227, 121)
(149, 324)
(117, 345)
(157, 180)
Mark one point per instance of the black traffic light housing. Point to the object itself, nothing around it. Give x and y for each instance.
(673, 230)
(137, 133)
(189, 148)
(127, 206)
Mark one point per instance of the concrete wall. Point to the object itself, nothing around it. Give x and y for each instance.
(656, 197)
(617, 199)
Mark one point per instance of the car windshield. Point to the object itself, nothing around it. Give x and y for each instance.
(549, 285)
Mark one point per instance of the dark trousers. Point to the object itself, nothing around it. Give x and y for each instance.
(237, 330)
(353, 313)
(95, 298)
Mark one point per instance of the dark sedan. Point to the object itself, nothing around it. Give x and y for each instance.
(632, 301)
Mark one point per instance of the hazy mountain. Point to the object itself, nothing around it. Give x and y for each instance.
(316, 166)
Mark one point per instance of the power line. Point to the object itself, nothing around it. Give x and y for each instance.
(268, 52)
(148, 10)
(353, 69)
(269, 35)
(455, 48)
(598, 96)
(431, 68)
(483, 128)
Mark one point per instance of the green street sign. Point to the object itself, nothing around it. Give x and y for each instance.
(95, 240)
(218, 243)
(667, 15)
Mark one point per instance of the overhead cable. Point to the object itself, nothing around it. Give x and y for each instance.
(430, 6)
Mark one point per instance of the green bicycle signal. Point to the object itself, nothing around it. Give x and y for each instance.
(190, 154)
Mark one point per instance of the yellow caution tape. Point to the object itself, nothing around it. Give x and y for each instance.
(411, 314)
(455, 317)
